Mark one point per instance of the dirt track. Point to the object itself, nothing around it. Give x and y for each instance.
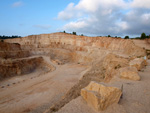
(26, 93)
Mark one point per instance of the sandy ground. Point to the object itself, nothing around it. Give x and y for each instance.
(26, 93)
(136, 97)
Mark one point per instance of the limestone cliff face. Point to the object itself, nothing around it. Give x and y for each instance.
(9, 47)
(142, 43)
(16, 61)
(12, 50)
(80, 43)
(9, 68)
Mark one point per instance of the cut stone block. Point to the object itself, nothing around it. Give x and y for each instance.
(100, 96)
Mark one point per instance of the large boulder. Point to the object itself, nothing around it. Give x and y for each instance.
(129, 73)
(100, 96)
(112, 63)
(139, 63)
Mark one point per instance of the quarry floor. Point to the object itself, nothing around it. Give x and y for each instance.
(136, 97)
(28, 92)
(36, 92)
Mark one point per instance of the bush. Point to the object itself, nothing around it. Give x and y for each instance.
(74, 33)
(126, 37)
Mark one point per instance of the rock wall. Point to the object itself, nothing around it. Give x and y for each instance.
(9, 68)
(9, 46)
(142, 43)
(79, 43)
(64, 47)
(12, 50)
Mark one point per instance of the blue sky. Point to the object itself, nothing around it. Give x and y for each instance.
(89, 17)
(28, 17)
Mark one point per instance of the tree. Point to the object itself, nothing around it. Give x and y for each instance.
(74, 33)
(64, 31)
(148, 36)
(126, 37)
(9, 37)
(143, 36)
(109, 36)
(82, 35)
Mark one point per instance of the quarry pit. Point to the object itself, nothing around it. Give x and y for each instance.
(46, 73)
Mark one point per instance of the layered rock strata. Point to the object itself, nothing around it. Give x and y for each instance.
(82, 48)
(9, 68)
(12, 50)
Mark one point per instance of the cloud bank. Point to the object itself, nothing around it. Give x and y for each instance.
(103, 17)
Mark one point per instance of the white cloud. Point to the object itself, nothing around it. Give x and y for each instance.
(141, 3)
(123, 25)
(85, 7)
(103, 17)
(17, 4)
(42, 26)
(67, 13)
(76, 25)
(145, 18)
(94, 5)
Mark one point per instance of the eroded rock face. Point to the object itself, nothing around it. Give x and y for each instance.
(20, 67)
(63, 47)
(100, 96)
(129, 73)
(9, 46)
(83, 47)
(16, 61)
(12, 50)
(139, 63)
(107, 67)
